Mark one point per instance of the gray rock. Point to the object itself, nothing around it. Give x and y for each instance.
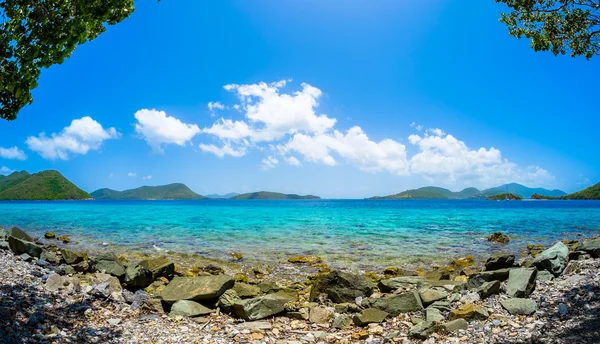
(256, 325)
(108, 263)
(544, 276)
(19, 234)
(260, 307)
(591, 246)
(56, 282)
(245, 290)
(403, 282)
(443, 306)
(422, 330)
(25, 257)
(433, 315)
(196, 288)
(19, 246)
(228, 299)
(397, 304)
(320, 315)
(341, 321)
(478, 279)
(519, 306)
(137, 276)
(342, 287)
(369, 316)
(188, 308)
(469, 311)
(160, 267)
(455, 325)
(4, 245)
(521, 282)
(430, 295)
(489, 288)
(70, 256)
(114, 286)
(500, 261)
(554, 259)
(49, 257)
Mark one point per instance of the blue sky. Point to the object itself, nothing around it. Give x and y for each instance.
(341, 99)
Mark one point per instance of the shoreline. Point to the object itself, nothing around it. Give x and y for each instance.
(463, 302)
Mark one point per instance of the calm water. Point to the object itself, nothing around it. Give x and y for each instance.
(349, 232)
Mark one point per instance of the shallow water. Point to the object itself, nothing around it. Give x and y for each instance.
(350, 233)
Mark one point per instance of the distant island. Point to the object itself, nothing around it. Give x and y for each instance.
(271, 195)
(432, 192)
(45, 185)
(504, 197)
(224, 196)
(176, 191)
(591, 193)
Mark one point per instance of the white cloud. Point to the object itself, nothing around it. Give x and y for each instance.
(215, 105)
(5, 170)
(12, 153)
(435, 131)
(229, 130)
(292, 160)
(269, 162)
(147, 177)
(131, 174)
(159, 129)
(80, 137)
(226, 149)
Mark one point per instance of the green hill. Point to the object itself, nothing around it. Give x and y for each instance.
(591, 193)
(271, 195)
(432, 192)
(45, 185)
(503, 197)
(175, 191)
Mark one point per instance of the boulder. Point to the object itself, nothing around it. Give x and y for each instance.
(591, 247)
(369, 316)
(479, 279)
(114, 285)
(245, 290)
(545, 276)
(49, 257)
(469, 311)
(71, 257)
(260, 307)
(433, 315)
(160, 267)
(108, 263)
(196, 288)
(498, 237)
(521, 282)
(55, 282)
(341, 321)
(19, 234)
(137, 276)
(455, 325)
(342, 287)
(430, 295)
(396, 304)
(489, 288)
(228, 299)
(500, 261)
(519, 306)
(403, 282)
(189, 308)
(554, 259)
(20, 246)
(320, 315)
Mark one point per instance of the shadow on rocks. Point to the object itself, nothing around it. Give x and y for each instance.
(28, 315)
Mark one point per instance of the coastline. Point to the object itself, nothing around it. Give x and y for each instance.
(466, 301)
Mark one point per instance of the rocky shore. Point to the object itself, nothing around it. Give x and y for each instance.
(52, 294)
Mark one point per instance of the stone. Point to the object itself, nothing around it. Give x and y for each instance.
(347, 308)
(245, 290)
(320, 315)
(228, 299)
(159, 267)
(25, 257)
(469, 312)
(82, 267)
(545, 276)
(519, 306)
(137, 276)
(342, 287)
(65, 239)
(433, 315)
(305, 260)
(342, 321)
(17, 233)
(154, 305)
(187, 308)
(554, 259)
(521, 282)
(49, 235)
(396, 304)
(4, 245)
(196, 288)
(500, 261)
(591, 246)
(49, 257)
(437, 275)
(20, 246)
(56, 282)
(443, 306)
(114, 321)
(534, 249)
(572, 268)
(489, 288)
(369, 316)
(108, 263)
(498, 237)
(260, 307)
(268, 287)
(422, 330)
(114, 285)
(430, 295)
(71, 257)
(455, 325)
(213, 269)
(463, 262)
(403, 282)
(256, 325)
(69, 270)
(479, 279)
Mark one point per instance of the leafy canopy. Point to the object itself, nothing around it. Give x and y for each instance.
(36, 34)
(559, 26)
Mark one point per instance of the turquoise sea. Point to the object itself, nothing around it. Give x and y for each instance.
(351, 233)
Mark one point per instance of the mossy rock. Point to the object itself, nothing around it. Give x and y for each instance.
(305, 259)
(65, 239)
(463, 262)
(49, 235)
(498, 237)
(373, 276)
